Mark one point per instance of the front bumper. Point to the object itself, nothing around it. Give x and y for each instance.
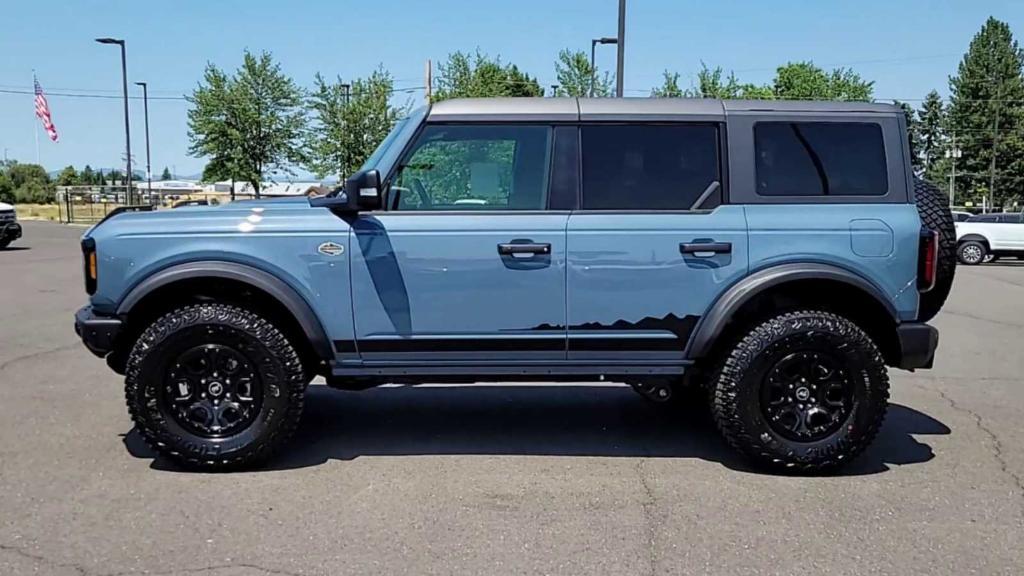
(97, 332)
(10, 231)
(918, 342)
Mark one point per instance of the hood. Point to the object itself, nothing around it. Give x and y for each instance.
(274, 215)
(5, 206)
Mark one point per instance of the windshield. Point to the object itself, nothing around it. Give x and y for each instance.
(382, 148)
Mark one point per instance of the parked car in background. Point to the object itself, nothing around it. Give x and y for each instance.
(988, 237)
(195, 202)
(10, 230)
(959, 216)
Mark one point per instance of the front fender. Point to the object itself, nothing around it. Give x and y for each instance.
(298, 307)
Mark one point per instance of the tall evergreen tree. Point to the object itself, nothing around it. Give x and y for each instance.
(913, 135)
(166, 175)
(931, 131)
(986, 115)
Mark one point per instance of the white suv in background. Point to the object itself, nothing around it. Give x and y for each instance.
(10, 230)
(987, 237)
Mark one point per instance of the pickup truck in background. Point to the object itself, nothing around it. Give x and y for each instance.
(988, 237)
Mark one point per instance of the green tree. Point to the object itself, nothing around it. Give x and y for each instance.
(100, 180)
(575, 75)
(166, 174)
(253, 121)
(805, 81)
(713, 83)
(29, 183)
(479, 76)
(931, 130)
(6, 187)
(68, 177)
(913, 134)
(349, 121)
(986, 116)
(669, 87)
(87, 177)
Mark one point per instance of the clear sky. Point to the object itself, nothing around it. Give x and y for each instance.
(907, 47)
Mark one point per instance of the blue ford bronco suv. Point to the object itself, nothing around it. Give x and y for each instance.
(773, 258)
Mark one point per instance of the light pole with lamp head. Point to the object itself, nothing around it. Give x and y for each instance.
(127, 129)
(593, 69)
(149, 171)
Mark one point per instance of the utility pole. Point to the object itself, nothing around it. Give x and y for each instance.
(428, 80)
(621, 41)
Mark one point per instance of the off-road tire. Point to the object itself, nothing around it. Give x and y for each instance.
(933, 208)
(737, 406)
(966, 251)
(280, 375)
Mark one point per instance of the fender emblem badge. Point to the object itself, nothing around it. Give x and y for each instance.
(331, 249)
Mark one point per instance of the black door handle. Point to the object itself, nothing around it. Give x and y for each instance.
(511, 248)
(715, 247)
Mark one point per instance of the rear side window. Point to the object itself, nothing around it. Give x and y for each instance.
(984, 218)
(654, 167)
(820, 159)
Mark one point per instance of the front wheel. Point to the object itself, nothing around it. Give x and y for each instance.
(971, 253)
(804, 391)
(214, 386)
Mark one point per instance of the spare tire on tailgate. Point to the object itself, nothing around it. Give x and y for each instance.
(933, 206)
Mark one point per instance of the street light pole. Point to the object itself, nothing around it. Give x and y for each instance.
(149, 170)
(593, 64)
(127, 129)
(622, 48)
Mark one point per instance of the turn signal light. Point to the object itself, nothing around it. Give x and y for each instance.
(90, 265)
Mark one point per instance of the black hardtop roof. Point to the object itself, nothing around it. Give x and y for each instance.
(626, 109)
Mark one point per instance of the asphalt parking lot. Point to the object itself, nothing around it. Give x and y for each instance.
(530, 479)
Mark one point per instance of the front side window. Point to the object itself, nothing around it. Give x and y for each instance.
(474, 167)
(820, 159)
(650, 167)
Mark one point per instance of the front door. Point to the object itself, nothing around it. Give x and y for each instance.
(651, 247)
(465, 262)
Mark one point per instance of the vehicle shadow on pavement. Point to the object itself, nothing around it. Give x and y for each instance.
(15, 248)
(535, 420)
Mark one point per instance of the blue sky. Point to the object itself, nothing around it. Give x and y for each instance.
(906, 46)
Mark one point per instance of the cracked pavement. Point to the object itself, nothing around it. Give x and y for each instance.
(502, 479)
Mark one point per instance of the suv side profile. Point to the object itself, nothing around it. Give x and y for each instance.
(988, 237)
(774, 257)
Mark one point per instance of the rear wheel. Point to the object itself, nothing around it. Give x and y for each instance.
(804, 391)
(214, 386)
(971, 253)
(933, 208)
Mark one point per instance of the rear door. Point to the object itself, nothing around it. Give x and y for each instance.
(652, 245)
(466, 262)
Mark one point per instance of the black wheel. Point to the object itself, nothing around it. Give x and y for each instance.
(933, 208)
(214, 386)
(4, 244)
(990, 258)
(971, 253)
(805, 391)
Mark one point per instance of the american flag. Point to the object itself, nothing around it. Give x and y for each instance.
(43, 112)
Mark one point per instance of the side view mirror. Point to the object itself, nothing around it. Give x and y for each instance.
(362, 192)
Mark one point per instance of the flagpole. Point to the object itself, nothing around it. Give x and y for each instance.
(35, 125)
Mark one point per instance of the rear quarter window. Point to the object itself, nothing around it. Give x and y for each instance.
(820, 159)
